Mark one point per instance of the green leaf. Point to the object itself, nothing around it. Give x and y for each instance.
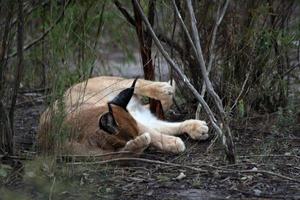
(3, 172)
(241, 108)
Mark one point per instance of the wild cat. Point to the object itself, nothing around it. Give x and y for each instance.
(104, 114)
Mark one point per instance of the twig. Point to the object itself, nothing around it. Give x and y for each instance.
(178, 70)
(184, 27)
(201, 61)
(20, 65)
(99, 29)
(52, 188)
(160, 36)
(226, 139)
(98, 155)
(14, 174)
(211, 143)
(139, 160)
(262, 172)
(291, 69)
(100, 24)
(35, 90)
(28, 12)
(4, 45)
(20, 157)
(197, 169)
(37, 40)
(263, 195)
(125, 13)
(225, 135)
(219, 18)
(270, 155)
(241, 92)
(171, 43)
(5, 131)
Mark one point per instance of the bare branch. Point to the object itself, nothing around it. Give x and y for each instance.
(184, 27)
(161, 37)
(219, 18)
(28, 12)
(125, 13)
(223, 13)
(226, 134)
(228, 143)
(241, 92)
(20, 67)
(178, 70)
(171, 43)
(197, 169)
(201, 61)
(6, 135)
(4, 45)
(99, 28)
(37, 40)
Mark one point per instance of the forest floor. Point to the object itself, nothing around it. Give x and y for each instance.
(268, 167)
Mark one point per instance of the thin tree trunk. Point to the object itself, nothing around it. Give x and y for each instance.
(226, 136)
(43, 46)
(226, 133)
(6, 135)
(19, 70)
(145, 42)
(145, 45)
(6, 139)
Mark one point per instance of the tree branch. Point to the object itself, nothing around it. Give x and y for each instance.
(219, 18)
(184, 27)
(229, 147)
(226, 134)
(241, 92)
(171, 43)
(28, 12)
(125, 13)
(4, 46)
(160, 36)
(178, 70)
(197, 169)
(201, 61)
(37, 40)
(20, 67)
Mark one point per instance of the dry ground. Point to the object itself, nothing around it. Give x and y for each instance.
(268, 167)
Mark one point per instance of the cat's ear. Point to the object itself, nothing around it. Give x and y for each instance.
(108, 123)
(119, 122)
(123, 98)
(117, 118)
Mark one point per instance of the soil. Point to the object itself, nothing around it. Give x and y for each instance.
(268, 166)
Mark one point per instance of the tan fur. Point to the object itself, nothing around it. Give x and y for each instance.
(86, 102)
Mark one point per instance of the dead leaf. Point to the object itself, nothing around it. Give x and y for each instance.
(180, 176)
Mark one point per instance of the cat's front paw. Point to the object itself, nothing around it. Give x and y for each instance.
(165, 93)
(196, 129)
(139, 144)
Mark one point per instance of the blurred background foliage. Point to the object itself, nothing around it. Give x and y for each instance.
(256, 68)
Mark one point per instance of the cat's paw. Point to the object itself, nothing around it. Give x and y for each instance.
(139, 144)
(165, 93)
(170, 144)
(196, 129)
(176, 145)
(144, 139)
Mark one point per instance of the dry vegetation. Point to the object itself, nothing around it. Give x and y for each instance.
(251, 54)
